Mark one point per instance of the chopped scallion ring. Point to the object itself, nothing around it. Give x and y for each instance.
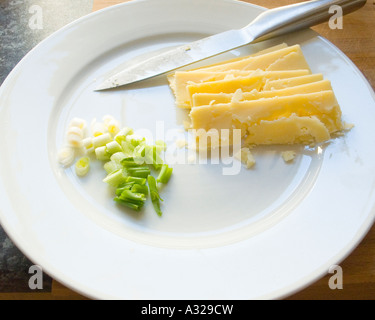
(82, 166)
(66, 156)
(154, 193)
(102, 140)
(165, 174)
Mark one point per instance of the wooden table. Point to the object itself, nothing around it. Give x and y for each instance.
(357, 41)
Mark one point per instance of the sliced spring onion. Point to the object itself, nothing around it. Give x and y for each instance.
(113, 128)
(77, 122)
(130, 162)
(76, 131)
(139, 153)
(152, 157)
(165, 174)
(141, 181)
(158, 162)
(88, 146)
(98, 128)
(82, 166)
(135, 140)
(66, 156)
(102, 140)
(87, 143)
(112, 125)
(74, 137)
(102, 154)
(127, 148)
(116, 178)
(124, 186)
(128, 195)
(118, 157)
(74, 141)
(112, 166)
(138, 172)
(113, 147)
(131, 199)
(90, 151)
(137, 188)
(127, 158)
(154, 193)
(135, 206)
(121, 136)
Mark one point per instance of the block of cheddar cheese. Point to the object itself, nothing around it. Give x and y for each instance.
(272, 97)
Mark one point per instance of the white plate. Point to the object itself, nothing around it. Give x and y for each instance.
(263, 233)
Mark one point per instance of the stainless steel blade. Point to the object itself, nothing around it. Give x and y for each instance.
(177, 58)
(270, 24)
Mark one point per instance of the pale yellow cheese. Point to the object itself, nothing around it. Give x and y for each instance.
(288, 156)
(171, 77)
(245, 115)
(292, 82)
(201, 99)
(184, 78)
(226, 86)
(246, 157)
(292, 57)
(290, 130)
(291, 61)
(259, 53)
(271, 97)
(285, 59)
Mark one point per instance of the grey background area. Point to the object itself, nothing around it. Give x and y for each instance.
(17, 38)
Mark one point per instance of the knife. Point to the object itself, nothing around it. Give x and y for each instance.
(270, 24)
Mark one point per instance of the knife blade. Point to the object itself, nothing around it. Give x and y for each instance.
(270, 24)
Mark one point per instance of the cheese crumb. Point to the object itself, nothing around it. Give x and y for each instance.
(288, 156)
(246, 157)
(348, 126)
(237, 96)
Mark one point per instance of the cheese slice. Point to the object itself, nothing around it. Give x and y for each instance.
(289, 58)
(184, 78)
(291, 130)
(291, 61)
(201, 99)
(171, 77)
(271, 97)
(246, 114)
(226, 86)
(292, 82)
(259, 53)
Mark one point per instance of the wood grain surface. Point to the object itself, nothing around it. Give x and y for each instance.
(357, 41)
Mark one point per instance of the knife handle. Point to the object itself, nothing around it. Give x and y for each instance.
(282, 20)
